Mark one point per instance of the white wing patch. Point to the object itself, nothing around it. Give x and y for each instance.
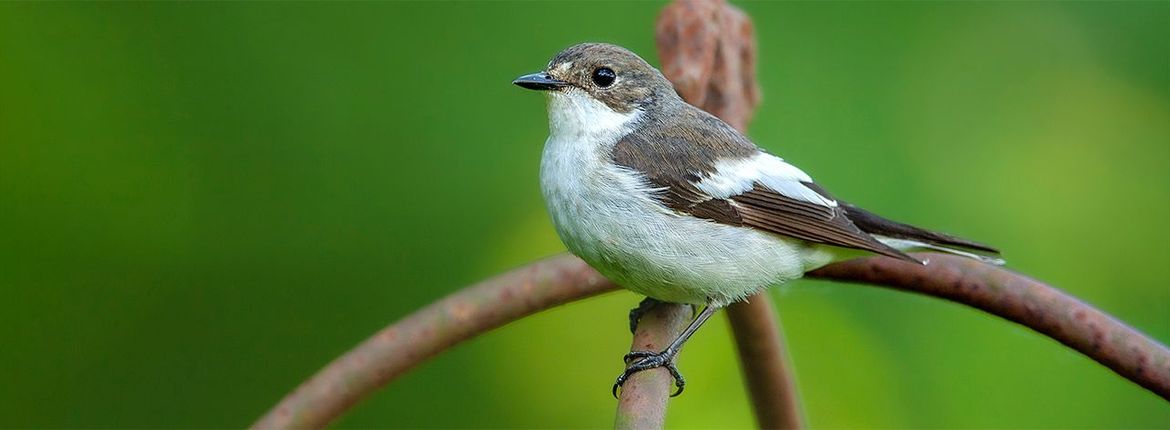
(734, 177)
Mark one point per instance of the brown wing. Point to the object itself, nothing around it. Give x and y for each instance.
(769, 210)
(873, 224)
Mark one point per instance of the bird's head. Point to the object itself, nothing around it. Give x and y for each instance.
(600, 72)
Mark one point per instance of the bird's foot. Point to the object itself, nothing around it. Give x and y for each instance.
(646, 360)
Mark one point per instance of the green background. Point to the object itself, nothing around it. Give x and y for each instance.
(203, 203)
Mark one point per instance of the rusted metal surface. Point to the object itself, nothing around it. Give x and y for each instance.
(1023, 300)
(405, 344)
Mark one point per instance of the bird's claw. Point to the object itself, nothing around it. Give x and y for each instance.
(646, 360)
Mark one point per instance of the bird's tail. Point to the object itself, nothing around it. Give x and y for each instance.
(910, 245)
(905, 237)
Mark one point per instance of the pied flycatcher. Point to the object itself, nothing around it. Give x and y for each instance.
(669, 201)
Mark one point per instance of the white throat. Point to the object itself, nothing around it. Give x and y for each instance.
(574, 115)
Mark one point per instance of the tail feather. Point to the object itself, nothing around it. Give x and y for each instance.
(903, 236)
(906, 244)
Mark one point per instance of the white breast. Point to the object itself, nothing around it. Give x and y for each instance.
(608, 216)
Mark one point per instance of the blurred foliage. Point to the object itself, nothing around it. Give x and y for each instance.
(203, 203)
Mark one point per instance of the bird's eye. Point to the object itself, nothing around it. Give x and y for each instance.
(604, 76)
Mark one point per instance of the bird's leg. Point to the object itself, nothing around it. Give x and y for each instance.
(645, 360)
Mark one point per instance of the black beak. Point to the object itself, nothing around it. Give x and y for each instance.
(540, 81)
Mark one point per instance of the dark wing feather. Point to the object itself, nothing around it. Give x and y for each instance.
(771, 211)
(874, 224)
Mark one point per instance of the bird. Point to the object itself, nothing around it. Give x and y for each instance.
(672, 203)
